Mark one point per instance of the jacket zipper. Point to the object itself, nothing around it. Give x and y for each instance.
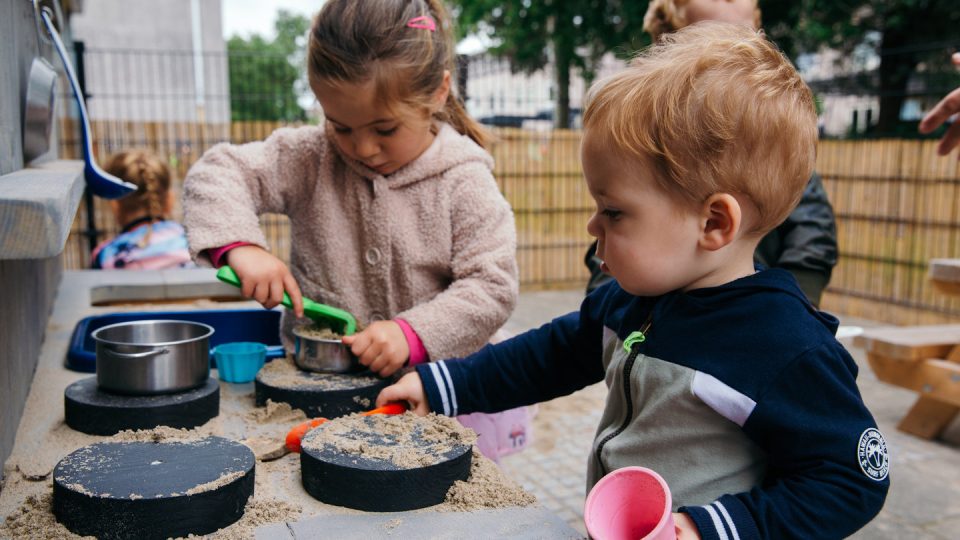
(631, 345)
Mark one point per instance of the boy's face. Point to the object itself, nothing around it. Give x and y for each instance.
(731, 11)
(381, 138)
(646, 239)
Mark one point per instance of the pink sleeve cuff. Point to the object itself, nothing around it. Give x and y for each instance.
(216, 254)
(418, 353)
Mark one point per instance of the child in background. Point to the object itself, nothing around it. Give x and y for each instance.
(394, 212)
(805, 244)
(148, 239)
(723, 379)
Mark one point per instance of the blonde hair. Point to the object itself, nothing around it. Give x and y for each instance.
(713, 108)
(666, 16)
(356, 41)
(151, 176)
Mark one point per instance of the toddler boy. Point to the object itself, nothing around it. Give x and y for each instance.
(723, 379)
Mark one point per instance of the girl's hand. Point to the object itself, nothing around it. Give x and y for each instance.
(408, 389)
(685, 527)
(382, 347)
(264, 277)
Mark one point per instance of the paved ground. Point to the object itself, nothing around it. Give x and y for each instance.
(924, 499)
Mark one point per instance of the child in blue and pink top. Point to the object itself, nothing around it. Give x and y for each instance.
(148, 239)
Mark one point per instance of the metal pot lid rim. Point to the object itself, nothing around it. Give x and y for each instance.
(99, 339)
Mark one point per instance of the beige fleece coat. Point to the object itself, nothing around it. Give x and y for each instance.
(434, 243)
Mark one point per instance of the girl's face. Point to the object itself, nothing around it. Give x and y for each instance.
(384, 139)
(646, 239)
(731, 11)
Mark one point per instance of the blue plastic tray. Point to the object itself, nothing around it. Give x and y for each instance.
(261, 325)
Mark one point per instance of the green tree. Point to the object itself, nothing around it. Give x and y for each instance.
(565, 33)
(905, 28)
(267, 77)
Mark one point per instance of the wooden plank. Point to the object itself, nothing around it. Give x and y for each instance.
(928, 418)
(910, 342)
(947, 270)
(949, 288)
(932, 378)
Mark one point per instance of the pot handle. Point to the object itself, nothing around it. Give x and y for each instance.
(144, 354)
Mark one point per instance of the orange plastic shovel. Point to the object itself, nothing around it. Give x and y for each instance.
(295, 436)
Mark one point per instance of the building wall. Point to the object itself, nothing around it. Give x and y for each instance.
(152, 44)
(492, 89)
(28, 286)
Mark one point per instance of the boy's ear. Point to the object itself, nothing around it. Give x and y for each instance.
(720, 221)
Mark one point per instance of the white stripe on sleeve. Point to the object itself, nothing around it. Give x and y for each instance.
(441, 385)
(728, 519)
(453, 393)
(721, 532)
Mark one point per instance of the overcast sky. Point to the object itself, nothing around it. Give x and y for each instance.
(246, 17)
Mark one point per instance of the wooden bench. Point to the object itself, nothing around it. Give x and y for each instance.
(925, 359)
(944, 274)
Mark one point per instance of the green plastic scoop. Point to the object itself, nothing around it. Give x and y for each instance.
(342, 321)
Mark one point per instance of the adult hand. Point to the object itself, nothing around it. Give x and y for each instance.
(264, 277)
(408, 389)
(947, 107)
(381, 346)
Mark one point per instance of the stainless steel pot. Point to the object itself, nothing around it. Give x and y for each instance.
(323, 355)
(38, 109)
(152, 356)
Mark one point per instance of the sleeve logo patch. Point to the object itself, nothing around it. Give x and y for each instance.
(872, 454)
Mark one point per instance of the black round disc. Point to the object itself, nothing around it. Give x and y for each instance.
(91, 410)
(376, 485)
(153, 489)
(329, 395)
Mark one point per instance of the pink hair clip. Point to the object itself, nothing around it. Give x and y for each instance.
(423, 22)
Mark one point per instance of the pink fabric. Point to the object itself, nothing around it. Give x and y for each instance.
(216, 254)
(503, 433)
(418, 353)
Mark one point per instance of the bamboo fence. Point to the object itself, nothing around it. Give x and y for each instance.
(897, 205)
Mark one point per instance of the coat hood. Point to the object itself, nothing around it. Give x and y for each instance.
(449, 149)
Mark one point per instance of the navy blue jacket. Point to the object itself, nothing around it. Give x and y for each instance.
(738, 395)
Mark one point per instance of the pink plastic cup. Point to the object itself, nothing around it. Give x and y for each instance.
(630, 503)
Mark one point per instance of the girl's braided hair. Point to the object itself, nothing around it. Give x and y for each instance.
(152, 178)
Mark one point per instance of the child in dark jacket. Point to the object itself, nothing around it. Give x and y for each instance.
(723, 379)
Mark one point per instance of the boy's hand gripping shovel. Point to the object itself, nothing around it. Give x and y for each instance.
(339, 320)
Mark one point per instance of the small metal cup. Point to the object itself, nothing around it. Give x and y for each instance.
(323, 355)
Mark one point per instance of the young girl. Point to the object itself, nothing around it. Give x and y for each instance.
(148, 240)
(394, 212)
